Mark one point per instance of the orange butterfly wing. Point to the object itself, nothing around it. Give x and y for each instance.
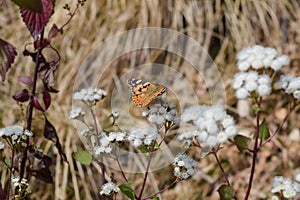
(145, 92)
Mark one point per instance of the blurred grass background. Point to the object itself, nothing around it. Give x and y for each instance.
(222, 27)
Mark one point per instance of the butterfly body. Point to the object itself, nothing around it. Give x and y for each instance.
(144, 92)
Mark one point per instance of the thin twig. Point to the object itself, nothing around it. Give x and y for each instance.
(279, 127)
(214, 152)
(255, 151)
(162, 190)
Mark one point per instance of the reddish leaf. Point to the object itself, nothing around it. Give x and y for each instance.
(53, 32)
(47, 99)
(7, 57)
(46, 68)
(25, 80)
(36, 21)
(22, 96)
(41, 43)
(45, 162)
(34, 5)
(37, 104)
(50, 133)
(43, 174)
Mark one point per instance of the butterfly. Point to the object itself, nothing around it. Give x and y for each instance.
(144, 92)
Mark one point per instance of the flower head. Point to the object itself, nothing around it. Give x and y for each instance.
(76, 113)
(259, 57)
(184, 167)
(142, 136)
(290, 85)
(246, 82)
(160, 112)
(109, 188)
(90, 95)
(212, 125)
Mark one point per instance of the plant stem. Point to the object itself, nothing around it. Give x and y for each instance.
(30, 106)
(279, 127)
(10, 173)
(220, 166)
(255, 151)
(162, 190)
(121, 169)
(147, 171)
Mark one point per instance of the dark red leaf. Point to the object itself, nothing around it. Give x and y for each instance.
(45, 162)
(34, 5)
(36, 21)
(50, 133)
(25, 80)
(47, 99)
(37, 104)
(22, 96)
(41, 43)
(7, 57)
(53, 32)
(43, 174)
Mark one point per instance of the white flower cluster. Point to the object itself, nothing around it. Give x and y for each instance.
(76, 113)
(259, 57)
(90, 95)
(109, 188)
(106, 142)
(211, 125)
(290, 84)
(161, 112)
(255, 58)
(142, 136)
(17, 134)
(184, 167)
(15, 130)
(246, 82)
(285, 187)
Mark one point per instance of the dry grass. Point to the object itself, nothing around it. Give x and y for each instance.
(221, 27)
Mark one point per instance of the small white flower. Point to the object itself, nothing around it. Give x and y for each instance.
(251, 85)
(109, 188)
(228, 121)
(115, 113)
(211, 141)
(241, 93)
(231, 131)
(264, 90)
(202, 136)
(222, 137)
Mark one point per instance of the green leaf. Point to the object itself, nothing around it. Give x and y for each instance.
(33, 5)
(155, 198)
(263, 131)
(241, 142)
(226, 192)
(144, 149)
(156, 146)
(127, 189)
(7, 162)
(84, 157)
